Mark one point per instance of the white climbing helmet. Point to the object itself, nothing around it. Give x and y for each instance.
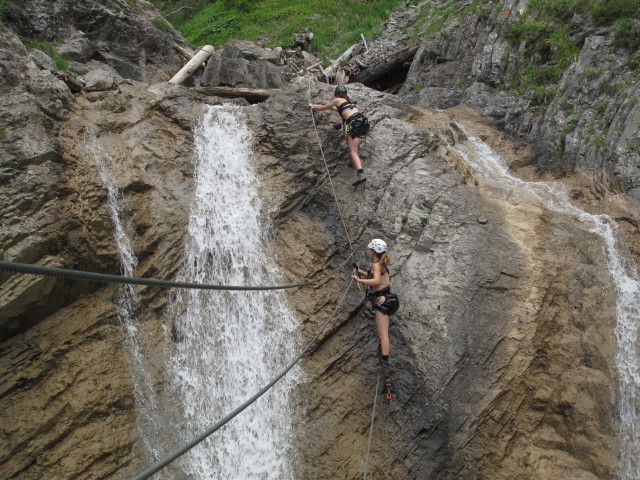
(377, 245)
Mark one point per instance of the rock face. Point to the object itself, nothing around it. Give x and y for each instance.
(495, 348)
(503, 349)
(589, 123)
(244, 64)
(93, 38)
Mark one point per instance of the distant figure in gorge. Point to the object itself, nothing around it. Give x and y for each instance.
(355, 125)
(383, 302)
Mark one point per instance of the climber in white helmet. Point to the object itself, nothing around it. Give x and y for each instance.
(383, 302)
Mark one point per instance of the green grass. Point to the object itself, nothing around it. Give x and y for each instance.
(161, 24)
(3, 132)
(549, 50)
(336, 25)
(48, 48)
(627, 33)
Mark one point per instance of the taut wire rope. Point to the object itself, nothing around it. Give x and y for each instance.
(329, 174)
(188, 446)
(373, 416)
(40, 270)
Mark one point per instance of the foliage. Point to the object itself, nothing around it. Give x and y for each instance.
(543, 31)
(336, 25)
(627, 33)
(548, 52)
(48, 48)
(605, 12)
(161, 24)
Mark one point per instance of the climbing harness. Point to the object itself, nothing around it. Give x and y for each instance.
(335, 196)
(106, 278)
(357, 125)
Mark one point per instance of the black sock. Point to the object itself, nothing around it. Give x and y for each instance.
(361, 170)
(384, 358)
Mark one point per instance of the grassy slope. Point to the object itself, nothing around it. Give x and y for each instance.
(543, 29)
(336, 24)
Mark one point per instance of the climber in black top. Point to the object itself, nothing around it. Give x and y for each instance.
(354, 123)
(379, 293)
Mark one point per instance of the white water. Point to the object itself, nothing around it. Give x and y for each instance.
(489, 168)
(230, 344)
(126, 299)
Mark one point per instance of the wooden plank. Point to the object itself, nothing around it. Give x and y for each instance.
(255, 94)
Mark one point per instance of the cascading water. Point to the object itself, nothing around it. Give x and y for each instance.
(492, 170)
(230, 344)
(127, 299)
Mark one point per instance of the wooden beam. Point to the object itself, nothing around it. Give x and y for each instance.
(255, 94)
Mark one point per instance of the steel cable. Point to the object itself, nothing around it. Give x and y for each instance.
(40, 270)
(329, 174)
(373, 416)
(188, 446)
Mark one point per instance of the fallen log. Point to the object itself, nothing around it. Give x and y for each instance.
(348, 53)
(393, 61)
(192, 65)
(251, 94)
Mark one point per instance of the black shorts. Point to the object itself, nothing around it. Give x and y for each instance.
(391, 301)
(357, 125)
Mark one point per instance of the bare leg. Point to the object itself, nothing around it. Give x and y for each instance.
(382, 324)
(354, 145)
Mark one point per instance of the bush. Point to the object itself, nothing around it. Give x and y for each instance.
(627, 33)
(605, 12)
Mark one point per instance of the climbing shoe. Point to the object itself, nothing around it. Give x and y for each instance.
(360, 178)
(337, 126)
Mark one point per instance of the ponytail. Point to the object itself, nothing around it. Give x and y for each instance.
(385, 259)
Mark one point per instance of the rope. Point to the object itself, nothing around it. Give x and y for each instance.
(328, 174)
(373, 415)
(181, 451)
(106, 278)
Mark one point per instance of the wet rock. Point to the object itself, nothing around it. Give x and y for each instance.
(479, 283)
(587, 124)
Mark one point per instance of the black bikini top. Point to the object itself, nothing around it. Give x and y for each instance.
(345, 106)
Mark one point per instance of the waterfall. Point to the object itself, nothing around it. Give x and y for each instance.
(127, 299)
(492, 170)
(230, 344)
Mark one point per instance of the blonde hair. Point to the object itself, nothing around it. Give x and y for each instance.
(384, 258)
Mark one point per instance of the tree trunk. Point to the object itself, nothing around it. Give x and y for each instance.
(192, 65)
(251, 94)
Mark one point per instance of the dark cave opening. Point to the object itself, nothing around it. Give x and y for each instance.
(392, 80)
